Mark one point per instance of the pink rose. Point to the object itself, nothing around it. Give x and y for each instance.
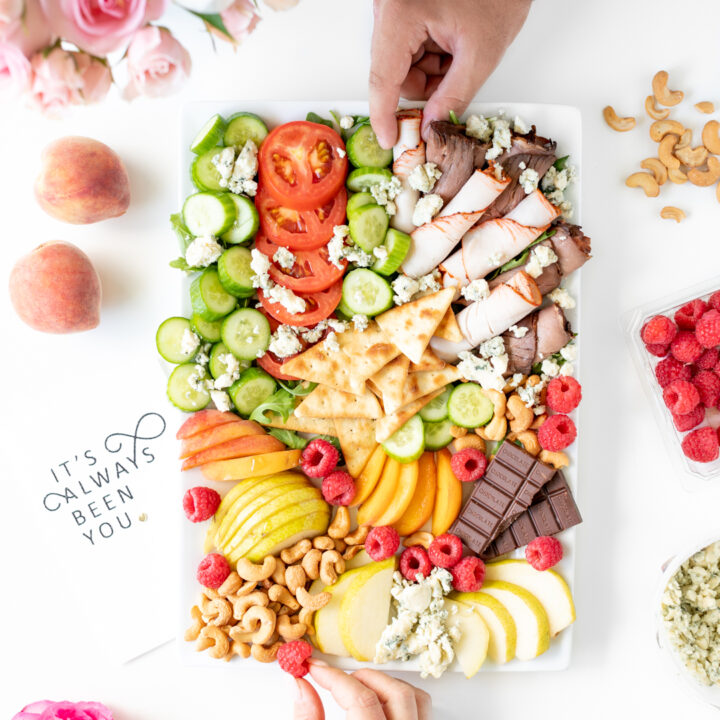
(100, 26)
(15, 72)
(157, 63)
(29, 30)
(10, 12)
(240, 20)
(48, 710)
(281, 4)
(63, 78)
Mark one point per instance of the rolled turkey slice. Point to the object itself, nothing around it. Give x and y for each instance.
(434, 241)
(408, 153)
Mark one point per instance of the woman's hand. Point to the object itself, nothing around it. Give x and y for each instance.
(441, 51)
(364, 695)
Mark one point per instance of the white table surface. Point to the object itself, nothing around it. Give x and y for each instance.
(582, 53)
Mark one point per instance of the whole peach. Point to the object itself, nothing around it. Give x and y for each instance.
(56, 289)
(82, 181)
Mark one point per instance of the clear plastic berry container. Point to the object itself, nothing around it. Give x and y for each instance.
(693, 476)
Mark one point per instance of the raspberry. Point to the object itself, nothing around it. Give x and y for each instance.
(543, 552)
(319, 458)
(714, 301)
(468, 465)
(708, 360)
(563, 394)
(685, 347)
(382, 542)
(468, 574)
(670, 369)
(213, 571)
(338, 488)
(292, 657)
(658, 350)
(681, 397)
(445, 550)
(707, 329)
(200, 503)
(414, 561)
(683, 423)
(688, 314)
(557, 432)
(701, 445)
(658, 330)
(708, 387)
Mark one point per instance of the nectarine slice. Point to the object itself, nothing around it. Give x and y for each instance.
(382, 495)
(202, 420)
(237, 448)
(219, 434)
(250, 467)
(407, 482)
(448, 499)
(423, 501)
(367, 479)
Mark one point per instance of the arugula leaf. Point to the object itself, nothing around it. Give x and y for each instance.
(183, 234)
(181, 264)
(297, 388)
(280, 402)
(454, 118)
(315, 118)
(523, 257)
(561, 163)
(289, 438)
(361, 119)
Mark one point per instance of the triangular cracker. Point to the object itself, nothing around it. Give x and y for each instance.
(422, 383)
(448, 327)
(390, 423)
(428, 361)
(327, 402)
(357, 442)
(369, 350)
(390, 382)
(315, 426)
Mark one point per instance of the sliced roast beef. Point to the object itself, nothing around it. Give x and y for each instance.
(571, 245)
(521, 350)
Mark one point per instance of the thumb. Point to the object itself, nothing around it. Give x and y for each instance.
(308, 705)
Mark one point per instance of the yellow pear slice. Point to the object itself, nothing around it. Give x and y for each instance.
(473, 637)
(499, 622)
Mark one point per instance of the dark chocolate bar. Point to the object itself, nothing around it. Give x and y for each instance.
(552, 511)
(511, 481)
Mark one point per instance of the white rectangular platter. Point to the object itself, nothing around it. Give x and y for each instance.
(562, 123)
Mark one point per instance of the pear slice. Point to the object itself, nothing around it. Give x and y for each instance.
(471, 646)
(531, 621)
(362, 558)
(547, 586)
(503, 635)
(365, 608)
(308, 526)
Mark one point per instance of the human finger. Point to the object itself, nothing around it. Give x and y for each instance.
(401, 700)
(360, 702)
(433, 64)
(414, 86)
(308, 705)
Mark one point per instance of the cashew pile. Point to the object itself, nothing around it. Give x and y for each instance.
(261, 606)
(677, 159)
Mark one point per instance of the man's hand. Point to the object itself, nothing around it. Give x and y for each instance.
(441, 51)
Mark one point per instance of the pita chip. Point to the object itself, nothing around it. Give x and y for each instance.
(422, 383)
(410, 326)
(315, 426)
(428, 361)
(448, 327)
(390, 423)
(390, 381)
(369, 350)
(357, 441)
(327, 402)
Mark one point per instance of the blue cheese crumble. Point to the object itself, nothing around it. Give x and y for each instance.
(424, 177)
(189, 342)
(476, 290)
(284, 342)
(284, 258)
(203, 251)
(426, 208)
(385, 193)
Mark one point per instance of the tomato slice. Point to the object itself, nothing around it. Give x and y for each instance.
(300, 164)
(299, 229)
(311, 272)
(272, 364)
(319, 306)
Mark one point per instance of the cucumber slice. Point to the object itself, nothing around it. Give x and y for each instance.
(181, 393)
(209, 213)
(408, 442)
(203, 173)
(244, 126)
(438, 435)
(368, 226)
(357, 201)
(169, 337)
(209, 298)
(235, 273)
(209, 136)
(246, 223)
(208, 330)
(343, 311)
(437, 408)
(362, 179)
(469, 406)
(363, 149)
(365, 293)
(246, 333)
(398, 245)
(252, 388)
(219, 367)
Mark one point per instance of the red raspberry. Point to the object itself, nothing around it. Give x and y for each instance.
(468, 575)
(701, 445)
(688, 314)
(200, 503)
(414, 561)
(708, 360)
(670, 369)
(543, 552)
(445, 550)
(382, 542)
(213, 571)
(563, 394)
(292, 657)
(707, 329)
(468, 465)
(685, 347)
(658, 330)
(683, 423)
(681, 397)
(708, 387)
(658, 350)
(338, 488)
(319, 458)
(714, 300)
(557, 432)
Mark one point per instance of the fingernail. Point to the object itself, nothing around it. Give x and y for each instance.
(317, 663)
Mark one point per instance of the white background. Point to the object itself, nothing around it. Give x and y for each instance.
(636, 516)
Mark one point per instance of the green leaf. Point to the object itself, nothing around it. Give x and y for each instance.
(297, 388)
(281, 402)
(454, 118)
(315, 118)
(214, 20)
(183, 234)
(522, 258)
(332, 440)
(361, 119)
(561, 163)
(289, 438)
(181, 264)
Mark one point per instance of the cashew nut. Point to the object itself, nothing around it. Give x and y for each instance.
(711, 136)
(257, 573)
(529, 440)
(231, 585)
(705, 107)
(469, 441)
(705, 178)
(260, 623)
(216, 640)
(672, 213)
(340, 526)
(497, 427)
(223, 612)
(692, 157)
(323, 542)
(357, 537)
(278, 593)
(278, 576)
(653, 110)
(660, 128)
(352, 551)
(340, 545)
(665, 152)
(621, 124)
(265, 654)
(295, 577)
(557, 459)
(305, 616)
(206, 606)
(276, 607)
(290, 630)
(241, 649)
(538, 421)
(661, 92)
(193, 632)
(313, 602)
(419, 538)
(292, 554)
(685, 139)
(241, 605)
(311, 564)
(457, 432)
(656, 167)
(331, 565)
(645, 181)
(677, 176)
(519, 414)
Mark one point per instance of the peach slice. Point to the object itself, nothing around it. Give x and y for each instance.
(448, 499)
(202, 420)
(382, 495)
(219, 434)
(367, 480)
(251, 467)
(421, 506)
(407, 482)
(237, 448)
